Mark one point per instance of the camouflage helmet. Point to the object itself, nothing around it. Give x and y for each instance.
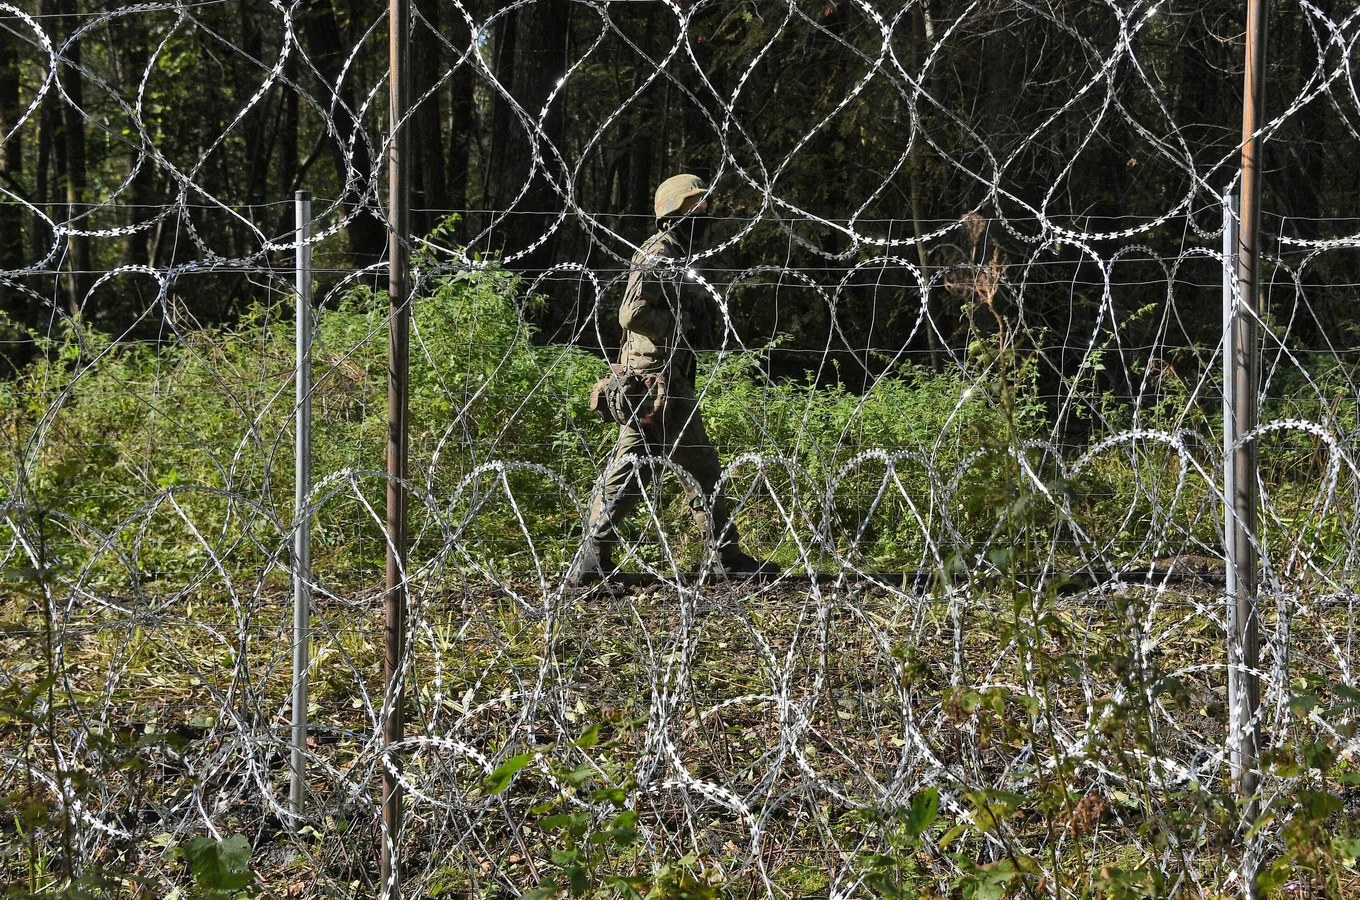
(674, 191)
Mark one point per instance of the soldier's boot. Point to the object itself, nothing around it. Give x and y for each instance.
(737, 563)
(593, 564)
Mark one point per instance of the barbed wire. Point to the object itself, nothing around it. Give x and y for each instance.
(986, 448)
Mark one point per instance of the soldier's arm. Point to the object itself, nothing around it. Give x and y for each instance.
(701, 310)
(646, 312)
(648, 305)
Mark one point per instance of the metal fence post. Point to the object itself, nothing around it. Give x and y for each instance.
(302, 520)
(1230, 436)
(398, 349)
(1246, 358)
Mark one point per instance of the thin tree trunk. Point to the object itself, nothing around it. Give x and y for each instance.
(11, 154)
(542, 62)
(255, 129)
(1306, 178)
(1304, 198)
(914, 167)
(497, 191)
(641, 180)
(48, 126)
(133, 53)
(932, 339)
(697, 149)
(321, 35)
(462, 120)
(289, 160)
(431, 200)
(76, 176)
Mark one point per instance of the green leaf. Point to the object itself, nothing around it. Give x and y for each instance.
(565, 858)
(545, 890)
(990, 807)
(616, 796)
(1320, 804)
(557, 822)
(989, 882)
(953, 835)
(219, 865)
(884, 885)
(925, 807)
(1349, 703)
(1302, 704)
(1270, 879)
(589, 738)
(1346, 848)
(499, 780)
(1261, 822)
(627, 887)
(579, 776)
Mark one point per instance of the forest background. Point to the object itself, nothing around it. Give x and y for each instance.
(1051, 172)
(1055, 168)
(1010, 110)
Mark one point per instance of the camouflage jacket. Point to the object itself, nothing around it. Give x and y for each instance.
(663, 311)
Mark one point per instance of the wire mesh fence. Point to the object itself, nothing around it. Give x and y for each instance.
(959, 329)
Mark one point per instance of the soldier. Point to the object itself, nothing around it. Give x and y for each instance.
(651, 394)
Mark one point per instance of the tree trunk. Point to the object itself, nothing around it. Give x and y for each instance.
(698, 152)
(915, 168)
(76, 177)
(11, 154)
(131, 38)
(641, 181)
(430, 199)
(542, 63)
(321, 36)
(1304, 198)
(498, 188)
(462, 121)
(531, 56)
(289, 161)
(255, 131)
(49, 125)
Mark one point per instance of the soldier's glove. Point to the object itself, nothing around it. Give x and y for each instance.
(626, 397)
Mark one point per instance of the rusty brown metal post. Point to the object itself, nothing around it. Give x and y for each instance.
(398, 345)
(1245, 659)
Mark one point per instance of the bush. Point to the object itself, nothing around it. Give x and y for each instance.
(132, 442)
(160, 458)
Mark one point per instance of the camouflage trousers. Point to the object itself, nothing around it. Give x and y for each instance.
(678, 436)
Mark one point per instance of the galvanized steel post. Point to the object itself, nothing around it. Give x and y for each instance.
(1246, 357)
(302, 521)
(1231, 435)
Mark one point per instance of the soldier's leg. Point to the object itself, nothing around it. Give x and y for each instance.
(623, 486)
(695, 452)
(690, 448)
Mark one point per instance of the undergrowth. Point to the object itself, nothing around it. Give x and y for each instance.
(170, 455)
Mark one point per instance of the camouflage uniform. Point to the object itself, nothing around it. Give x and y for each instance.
(662, 313)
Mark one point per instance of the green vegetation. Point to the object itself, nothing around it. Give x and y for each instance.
(1052, 721)
(200, 431)
(1034, 782)
(179, 452)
